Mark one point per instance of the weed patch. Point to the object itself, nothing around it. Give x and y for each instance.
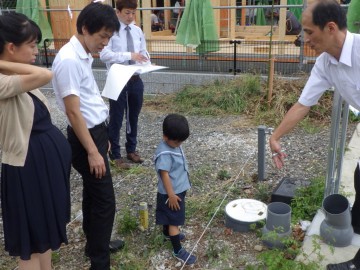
(308, 200)
(246, 95)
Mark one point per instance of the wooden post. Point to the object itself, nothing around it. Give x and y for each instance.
(243, 12)
(232, 22)
(138, 18)
(63, 27)
(217, 15)
(270, 80)
(167, 14)
(146, 17)
(282, 26)
(60, 21)
(282, 20)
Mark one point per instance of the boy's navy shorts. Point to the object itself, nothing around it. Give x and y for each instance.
(166, 216)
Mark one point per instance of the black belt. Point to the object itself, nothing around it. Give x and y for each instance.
(101, 125)
(134, 78)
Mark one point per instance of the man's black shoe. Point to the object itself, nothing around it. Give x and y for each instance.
(114, 246)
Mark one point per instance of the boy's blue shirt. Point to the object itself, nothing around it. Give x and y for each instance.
(174, 162)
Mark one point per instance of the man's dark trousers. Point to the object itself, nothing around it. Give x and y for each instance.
(98, 198)
(131, 96)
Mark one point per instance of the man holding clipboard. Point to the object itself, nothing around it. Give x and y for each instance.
(127, 47)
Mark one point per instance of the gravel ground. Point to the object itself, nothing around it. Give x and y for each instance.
(216, 143)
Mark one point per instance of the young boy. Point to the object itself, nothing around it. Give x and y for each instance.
(173, 175)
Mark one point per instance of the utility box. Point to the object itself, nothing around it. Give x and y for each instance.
(285, 190)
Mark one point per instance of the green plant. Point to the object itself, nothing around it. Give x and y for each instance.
(199, 174)
(208, 100)
(275, 259)
(55, 257)
(223, 175)
(307, 200)
(284, 259)
(204, 207)
(215, 252)
(212, 251)
(245, 95)
(127, 260)
(127, 222)
(353, 117)
(309, 126)
(262, 192)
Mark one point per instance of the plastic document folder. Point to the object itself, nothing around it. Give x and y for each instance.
(119, 75)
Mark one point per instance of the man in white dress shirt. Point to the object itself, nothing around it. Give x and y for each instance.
(127, 46)
(338, 65)
(79, 98)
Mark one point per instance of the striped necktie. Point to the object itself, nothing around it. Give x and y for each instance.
(130, 43)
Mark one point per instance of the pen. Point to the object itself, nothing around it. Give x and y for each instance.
(167, 201)
(148, 56)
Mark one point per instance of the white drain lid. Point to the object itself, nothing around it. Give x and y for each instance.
(247, 210)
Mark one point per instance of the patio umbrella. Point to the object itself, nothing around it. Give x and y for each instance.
(31, 8)
(260, 13)
(296, 11)
(197, 27)
(353, 16)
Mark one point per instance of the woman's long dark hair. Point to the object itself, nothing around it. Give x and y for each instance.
(17, 28)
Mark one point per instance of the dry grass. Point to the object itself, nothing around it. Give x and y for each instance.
(246, 95)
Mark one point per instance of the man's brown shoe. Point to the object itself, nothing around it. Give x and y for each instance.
(135, 157)
(121, 164)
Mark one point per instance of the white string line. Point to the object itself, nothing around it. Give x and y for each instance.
(217, 210)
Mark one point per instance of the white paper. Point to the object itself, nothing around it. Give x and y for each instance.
(119, 75)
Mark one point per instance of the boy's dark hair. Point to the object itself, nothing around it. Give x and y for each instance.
(328, 11)
(176, 127)
(17, 28)
(121, 4)
(95, 16)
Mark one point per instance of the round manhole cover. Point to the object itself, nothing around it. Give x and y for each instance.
(241, 213)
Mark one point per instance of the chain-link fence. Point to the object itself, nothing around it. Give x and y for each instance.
(233, 57)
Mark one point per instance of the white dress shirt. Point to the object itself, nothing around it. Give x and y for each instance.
(116, 51)
(73, 76)
(344, 74)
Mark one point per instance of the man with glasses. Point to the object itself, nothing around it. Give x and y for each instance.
(127, 47)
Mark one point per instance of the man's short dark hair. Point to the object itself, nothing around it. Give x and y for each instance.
(329, 11)
(121, 4)
(96, 16)
(176, 127)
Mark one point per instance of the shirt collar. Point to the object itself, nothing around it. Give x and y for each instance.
(79, 48)
(123, 25)
(346, 52)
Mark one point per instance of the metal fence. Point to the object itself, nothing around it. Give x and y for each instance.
(233, 57)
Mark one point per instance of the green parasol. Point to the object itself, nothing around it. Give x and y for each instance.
(260, 13)
(197, 27)
(31, 8)
(353, 16)
(295, 10)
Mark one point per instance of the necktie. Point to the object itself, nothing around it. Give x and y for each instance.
(130, 43)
